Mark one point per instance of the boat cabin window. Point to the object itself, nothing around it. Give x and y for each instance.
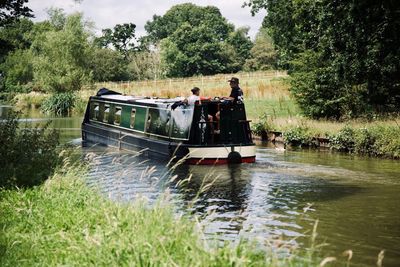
(133, 114)
(106, 112)
(95, 111)
(117, 115)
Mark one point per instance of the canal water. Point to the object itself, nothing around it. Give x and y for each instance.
(275, 201)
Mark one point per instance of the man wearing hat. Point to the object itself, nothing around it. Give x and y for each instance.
(236, 93)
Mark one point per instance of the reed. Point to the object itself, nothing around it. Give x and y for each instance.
(254, 85)
(64, 222)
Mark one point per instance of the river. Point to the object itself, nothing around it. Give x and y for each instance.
(276, 200)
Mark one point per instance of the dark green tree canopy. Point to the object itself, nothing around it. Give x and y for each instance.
(121, 38)
(11, 10)
(344, 55)
(14, 36)
(163, 26)
(198, 41)
(262, 54)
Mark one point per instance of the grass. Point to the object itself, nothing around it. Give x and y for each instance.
(30, 100)
(325, 128)
(63, 222)
(266, 95)
(254, 84)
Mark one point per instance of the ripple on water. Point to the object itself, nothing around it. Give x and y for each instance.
(274, 201)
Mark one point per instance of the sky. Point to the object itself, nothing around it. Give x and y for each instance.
(108, 13)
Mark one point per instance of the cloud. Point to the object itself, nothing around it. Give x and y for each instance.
(108, 13)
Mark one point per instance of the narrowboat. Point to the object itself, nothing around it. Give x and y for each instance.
(170, 129)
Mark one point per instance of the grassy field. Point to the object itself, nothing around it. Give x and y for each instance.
(64, 222)
(267, 99)
(266, 95)
(264, 92)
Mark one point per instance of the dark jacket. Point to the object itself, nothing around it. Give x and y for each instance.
(237, 94)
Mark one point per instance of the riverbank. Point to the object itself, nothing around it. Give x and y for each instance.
(379, 138)
(270, 107)
(63, 222)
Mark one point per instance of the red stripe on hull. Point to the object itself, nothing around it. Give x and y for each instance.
(215, 161)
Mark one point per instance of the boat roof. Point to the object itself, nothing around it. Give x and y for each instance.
(140, 99)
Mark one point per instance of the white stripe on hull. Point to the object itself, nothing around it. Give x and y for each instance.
(221, 152)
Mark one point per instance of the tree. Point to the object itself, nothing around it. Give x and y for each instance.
(61, 58)
(164, 26)
(241, 44)
(146, 65)
(262, 54)
(121, 38)
(108, 65)
(17, 70)
(198, 41)
(344, 55)
(193, 51)
(14, 36)
(11, 10)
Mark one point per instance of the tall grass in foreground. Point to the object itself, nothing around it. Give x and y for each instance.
(63, 222)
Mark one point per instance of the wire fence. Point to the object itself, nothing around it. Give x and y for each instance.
(245, 78)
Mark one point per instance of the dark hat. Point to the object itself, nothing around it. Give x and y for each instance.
(195, 89)
(234, 79)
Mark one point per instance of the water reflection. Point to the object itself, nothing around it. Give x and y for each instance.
(70, 127)
(279, 197)
(275, 199)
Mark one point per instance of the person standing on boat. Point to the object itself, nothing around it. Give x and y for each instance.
(195, 96)
(236, 94)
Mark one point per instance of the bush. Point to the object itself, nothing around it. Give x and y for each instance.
(60, 104)
(264, 125)
(343, 140)
(28, 156)
(382, 141)
(31, 100)
(364, 141)
(298, 136)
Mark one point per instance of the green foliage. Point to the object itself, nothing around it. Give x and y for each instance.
(57, 18)
(193, 51)
(145, 65)
(15, 36)
(82, 228)
(62, 57)
(364, 141)
(12, 10)
(264, 124)
(121, 38)
(241, 46)
(298, 136)
(164, 26)
(198, 41)
(28, 156)
(59, 104)
(386, 141)
(17, 70)
(344, 55)
(262, 54)
(383, 141)
(108, 65)
(343, 140)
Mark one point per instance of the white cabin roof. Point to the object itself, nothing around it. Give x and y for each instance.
(143, 99)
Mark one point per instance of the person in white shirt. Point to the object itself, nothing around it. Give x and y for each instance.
(191, 100)
(195, 96)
